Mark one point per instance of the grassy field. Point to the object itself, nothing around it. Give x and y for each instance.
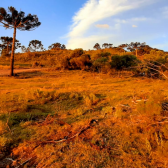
(79, 119)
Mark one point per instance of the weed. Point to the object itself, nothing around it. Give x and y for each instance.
(90, 100)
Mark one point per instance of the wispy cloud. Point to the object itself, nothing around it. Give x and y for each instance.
(134, 26)
(136, 19)
(94, 11)
(132, 21)
(105, 26)
(139, 19)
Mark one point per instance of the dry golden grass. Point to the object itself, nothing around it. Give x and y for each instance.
(82, 119)
(4, 67)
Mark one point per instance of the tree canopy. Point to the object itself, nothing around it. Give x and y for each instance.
(17, 20)
(110, 45)
(134, 46)
(35, 45)
(105, 45)
(97, 46)
(57, 46)
(7, 43)
(24, 49)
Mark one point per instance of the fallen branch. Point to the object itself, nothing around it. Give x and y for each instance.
(159, 72)
(15, 162)
(136, 101)
(21, 165)
(66, 138)
(69, 138)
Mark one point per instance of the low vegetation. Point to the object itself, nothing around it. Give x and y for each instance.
(83, 119)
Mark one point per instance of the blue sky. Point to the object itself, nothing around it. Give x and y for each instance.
(82, 23)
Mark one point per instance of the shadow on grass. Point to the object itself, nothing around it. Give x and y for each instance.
(31, 113)
(26, 75)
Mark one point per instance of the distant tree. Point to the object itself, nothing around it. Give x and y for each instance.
(17, 20)
(7, 43)
(3, 51)
(97, 46)
(63, 47)
(145, 50)
(123, 46)
(105, 45)
(35, 45)
(110, 45)
(24, 49)
(135, 46)
(55, 46)
(17, 45)
(2, 47)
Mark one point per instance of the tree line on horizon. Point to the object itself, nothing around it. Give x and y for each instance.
(17, 20)
(33, 46)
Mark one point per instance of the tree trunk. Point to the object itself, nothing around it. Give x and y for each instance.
(7, 48)
(13, 52)
(136, 52)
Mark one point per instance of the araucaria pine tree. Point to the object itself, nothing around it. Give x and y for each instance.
(17, 20)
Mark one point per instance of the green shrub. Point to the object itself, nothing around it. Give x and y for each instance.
(99, 64)
(105, 54)
(125, 61)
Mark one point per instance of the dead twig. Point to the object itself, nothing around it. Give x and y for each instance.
(24, 163)
(66, 138)
(136, 101)
(15, 162)
(160, 122)
(77, 134)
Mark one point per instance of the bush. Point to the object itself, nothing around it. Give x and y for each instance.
(156, 56)
(65, 63)
(36, 64)
(99, 63)
(121, 62)
(80, 62)
(98, 55)
(105, 54)
(77, 53)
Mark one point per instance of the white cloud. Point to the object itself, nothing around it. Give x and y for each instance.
(105, 26)
(95, 11)
(134, 26)
(87, 42)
